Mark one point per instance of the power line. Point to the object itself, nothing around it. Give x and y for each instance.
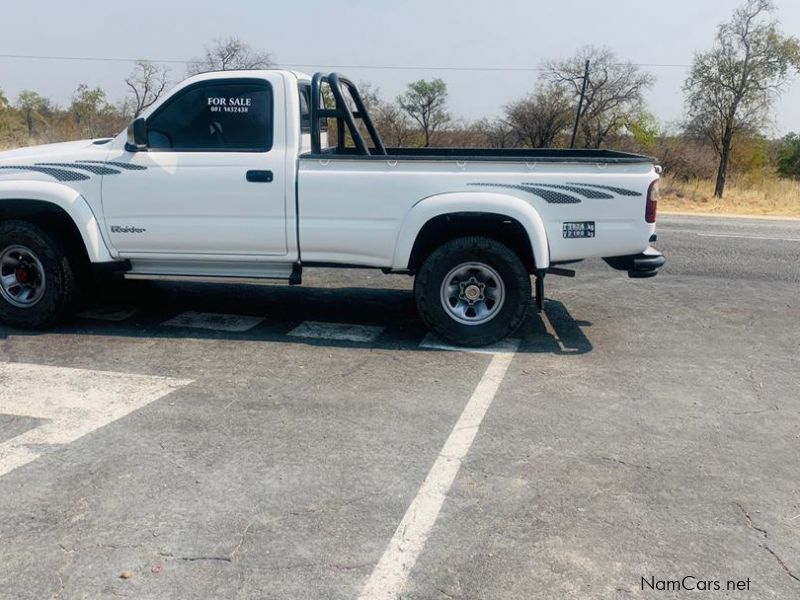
(317, 66)
(90, 58)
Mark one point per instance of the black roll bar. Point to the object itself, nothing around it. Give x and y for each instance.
(343, 115)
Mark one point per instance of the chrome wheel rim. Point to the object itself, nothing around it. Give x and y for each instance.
(22, 279)
(472, 293)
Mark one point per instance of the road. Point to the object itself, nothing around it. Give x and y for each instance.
(638, 429)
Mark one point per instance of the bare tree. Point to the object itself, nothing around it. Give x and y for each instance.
(540, 117)
(227, 54)
(426, 103)
(497, 133)
(392, 123)
(730, 88)
(614, 91)
(147, 83)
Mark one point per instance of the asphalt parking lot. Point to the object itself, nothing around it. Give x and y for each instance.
(315, 443)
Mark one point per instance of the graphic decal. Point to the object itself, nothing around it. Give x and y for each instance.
(584, 191)
(96, 169)
(549, 196)
(552, 194)
(121, 165)
(80, 170)
(59, 174)
(611, 188)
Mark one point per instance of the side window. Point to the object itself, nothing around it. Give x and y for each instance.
(305, 107)
(225, 116)
(304, 90)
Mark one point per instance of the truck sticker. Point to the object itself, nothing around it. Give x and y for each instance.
(578, 229)
(75, 171)
(229, 105)
(553, 194)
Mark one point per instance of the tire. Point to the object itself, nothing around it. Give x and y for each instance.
(473, 291)
(31, 255)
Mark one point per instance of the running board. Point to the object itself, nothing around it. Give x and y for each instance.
(230, 273)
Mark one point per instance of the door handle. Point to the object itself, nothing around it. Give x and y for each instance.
(259, 176)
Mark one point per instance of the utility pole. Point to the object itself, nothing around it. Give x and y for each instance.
(580, 104)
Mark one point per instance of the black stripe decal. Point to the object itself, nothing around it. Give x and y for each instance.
(549, 196)
(59, 174)
(583, 191)
(121, 165)
(96, 169)
(73, 171)
(611, 188)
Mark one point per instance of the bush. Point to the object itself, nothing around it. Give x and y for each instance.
(788, 162)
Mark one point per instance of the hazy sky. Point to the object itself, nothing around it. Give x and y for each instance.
(438, 33)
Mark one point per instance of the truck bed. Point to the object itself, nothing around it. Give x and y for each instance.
(353, 208)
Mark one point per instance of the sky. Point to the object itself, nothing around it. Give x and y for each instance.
(354, 36)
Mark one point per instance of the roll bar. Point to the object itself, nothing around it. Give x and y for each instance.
(343, 114)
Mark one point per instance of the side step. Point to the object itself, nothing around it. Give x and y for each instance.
(232, 274)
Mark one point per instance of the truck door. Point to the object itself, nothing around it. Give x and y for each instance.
(212, 181)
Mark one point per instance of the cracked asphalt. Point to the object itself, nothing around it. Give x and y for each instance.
(644, 429)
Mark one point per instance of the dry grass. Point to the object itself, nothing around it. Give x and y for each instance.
(763, 196)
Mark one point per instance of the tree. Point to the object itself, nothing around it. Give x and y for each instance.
(392, 123)
(614, 91)
(730, 88)
(426, 103)
(91, 111)
(12, 130)
(229, 54)
(497, 133)
(540, 117)
(789, 156)
(147, 83)
(33, 108)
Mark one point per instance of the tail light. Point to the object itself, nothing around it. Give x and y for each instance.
(652, 203)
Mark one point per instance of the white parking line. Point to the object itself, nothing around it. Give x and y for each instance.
(434, 343)
(388, 579)
(73, 402)
(214, 321)
(336, 331)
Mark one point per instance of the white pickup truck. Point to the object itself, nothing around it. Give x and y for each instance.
(252, 176)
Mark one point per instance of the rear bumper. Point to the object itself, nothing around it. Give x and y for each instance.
(646, 264)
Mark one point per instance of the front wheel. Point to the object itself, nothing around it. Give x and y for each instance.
(473, 291)
(36, 279)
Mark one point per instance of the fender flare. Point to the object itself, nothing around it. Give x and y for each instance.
(473, 202)
(71, 202)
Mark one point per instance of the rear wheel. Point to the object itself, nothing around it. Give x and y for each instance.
(36, 278)
(473, 291)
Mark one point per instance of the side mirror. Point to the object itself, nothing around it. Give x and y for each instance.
(137, 135)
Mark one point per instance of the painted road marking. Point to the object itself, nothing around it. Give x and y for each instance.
(72, 403)
(749, 237)
(731, 235)
(214, 321)
(388, 579)
(336, 331)
(432, 342)
(109, 313)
